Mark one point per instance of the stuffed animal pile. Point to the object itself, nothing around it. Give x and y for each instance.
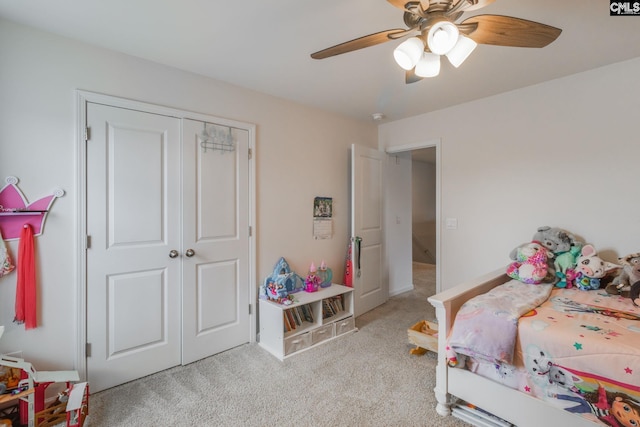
(557, 256)
(565, 248)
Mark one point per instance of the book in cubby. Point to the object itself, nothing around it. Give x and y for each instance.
(295, 317)
(332, 306)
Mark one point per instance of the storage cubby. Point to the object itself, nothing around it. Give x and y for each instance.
(314, 318)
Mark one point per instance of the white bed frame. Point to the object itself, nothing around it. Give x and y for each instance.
(504, 402)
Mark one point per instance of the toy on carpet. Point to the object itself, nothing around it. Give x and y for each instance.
(627, 282)
(281, 283)
(590, 268)
(530, 263)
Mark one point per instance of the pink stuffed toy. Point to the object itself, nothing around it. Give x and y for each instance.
(530, 264)
(590, 268)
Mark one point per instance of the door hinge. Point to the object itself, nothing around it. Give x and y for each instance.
(249, 308)
(87, 350)
(87, 134)
(250, 231)
(250, 153)
(88, 241)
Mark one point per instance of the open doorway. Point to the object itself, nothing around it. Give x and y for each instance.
(403, 238)
(423, 221)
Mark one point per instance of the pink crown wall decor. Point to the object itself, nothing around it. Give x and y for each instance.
(15, 213)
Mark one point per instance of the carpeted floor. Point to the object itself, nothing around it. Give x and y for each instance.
(424, 279)
(367, 378)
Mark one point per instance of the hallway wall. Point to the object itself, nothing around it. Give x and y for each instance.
(398, 222)
(423, 215)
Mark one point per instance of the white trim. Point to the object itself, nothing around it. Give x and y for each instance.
(402, 290)
(435, 142)
(414, 146)
(84, 97)
(253, 239)
(81, 240)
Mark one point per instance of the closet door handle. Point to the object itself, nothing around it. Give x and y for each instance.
(173, 253)
(189, 253)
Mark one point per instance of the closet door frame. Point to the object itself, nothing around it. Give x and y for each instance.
(84, 97)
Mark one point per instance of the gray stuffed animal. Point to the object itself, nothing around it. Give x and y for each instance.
(554, 239)
(557, 241)
(627, 283)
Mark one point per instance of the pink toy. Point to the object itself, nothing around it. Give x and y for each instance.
(530, 264)
(590, 268)
(312, 282)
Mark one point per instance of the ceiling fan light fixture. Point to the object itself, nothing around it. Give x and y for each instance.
(408, 53)
(442, 37)
(428, 66)
(461, 50)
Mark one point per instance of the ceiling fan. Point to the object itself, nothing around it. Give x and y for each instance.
(435, 33)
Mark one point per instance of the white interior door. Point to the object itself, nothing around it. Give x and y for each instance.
(133, 208)
(367, 227)
(215, 243)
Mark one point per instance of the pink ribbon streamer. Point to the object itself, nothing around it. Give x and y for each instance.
(26, 283)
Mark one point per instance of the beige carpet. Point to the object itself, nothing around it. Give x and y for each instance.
(424, 279)
(367, 378)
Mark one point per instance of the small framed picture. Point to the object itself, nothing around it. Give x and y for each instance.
(322, 207)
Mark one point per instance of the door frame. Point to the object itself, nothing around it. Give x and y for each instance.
(432, 143)
(82, 99)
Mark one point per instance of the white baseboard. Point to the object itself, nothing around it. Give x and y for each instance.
(401, 290)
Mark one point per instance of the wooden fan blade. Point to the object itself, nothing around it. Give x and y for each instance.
(509, 31)
(411, 77)
(359, 43)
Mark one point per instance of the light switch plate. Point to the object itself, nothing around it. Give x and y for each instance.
(451, 223)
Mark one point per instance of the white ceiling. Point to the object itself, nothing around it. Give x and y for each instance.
(265, 45)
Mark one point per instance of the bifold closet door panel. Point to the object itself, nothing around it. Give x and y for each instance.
(133, 217)
(216, 232)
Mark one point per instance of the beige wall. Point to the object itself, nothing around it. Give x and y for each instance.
(398, 222)
(300, 153)
(423, 211)
(563, 153)
(423, 191)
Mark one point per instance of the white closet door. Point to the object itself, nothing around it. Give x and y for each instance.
(133, 217)
(215, 243)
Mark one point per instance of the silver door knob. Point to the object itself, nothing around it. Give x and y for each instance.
(189, 253)
(173, 253)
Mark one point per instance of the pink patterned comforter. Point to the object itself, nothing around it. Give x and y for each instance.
(579, 350)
